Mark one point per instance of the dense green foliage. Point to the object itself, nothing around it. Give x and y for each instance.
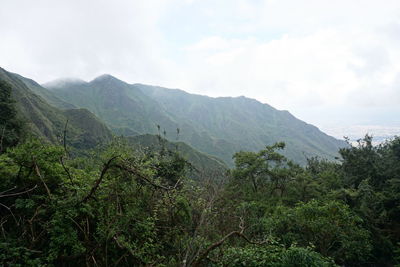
(216, 126)
(123, 206)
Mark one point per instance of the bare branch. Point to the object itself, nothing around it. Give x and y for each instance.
(16, 194)
(41, 178)
(9, 209)
(215, 245)
(144, 178)
(8, 190)
(66, 170)
(107, 166)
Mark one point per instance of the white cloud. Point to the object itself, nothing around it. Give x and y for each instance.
(287, 72)
(47, 39)
(310, 57)
(342, 67)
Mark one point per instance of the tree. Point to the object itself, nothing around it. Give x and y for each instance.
(331, 226)
(360, 162)
(274, 256)
(10, 126)
(259, 167)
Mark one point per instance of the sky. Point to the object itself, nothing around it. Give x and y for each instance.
(335, 64)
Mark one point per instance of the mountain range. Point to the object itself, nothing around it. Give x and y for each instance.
(47, 117)
(207, 128)
(217, 126)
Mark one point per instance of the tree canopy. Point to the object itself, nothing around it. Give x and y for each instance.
(123, 206)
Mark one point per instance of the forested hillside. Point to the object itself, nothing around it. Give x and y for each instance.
(217, 126)
(98, 200)
(130, 207)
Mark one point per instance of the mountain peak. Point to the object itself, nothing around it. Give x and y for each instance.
(105, 77)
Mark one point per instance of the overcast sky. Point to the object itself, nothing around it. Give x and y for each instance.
(327, 62)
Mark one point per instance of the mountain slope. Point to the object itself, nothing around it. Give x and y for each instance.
(245, 121)
(217, 126)
(48, 122)
(84, 129)
(44, 93)
(115, 102)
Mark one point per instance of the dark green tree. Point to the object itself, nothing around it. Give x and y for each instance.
(259, 167)
(331, 226)
(10, 125)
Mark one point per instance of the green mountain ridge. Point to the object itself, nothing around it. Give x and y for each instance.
(246, 120)
(216, 126)
(48, 122)
(37, 107)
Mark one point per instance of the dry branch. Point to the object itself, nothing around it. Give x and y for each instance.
(215, 245)
(66, 170)
(41, 178)
(145, 179)
(106, 167)
(16, 194)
